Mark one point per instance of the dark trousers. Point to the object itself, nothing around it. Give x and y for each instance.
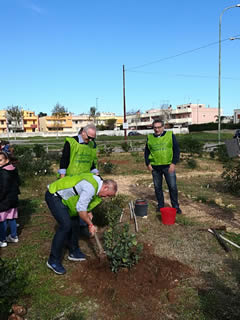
(68, 228)
(158, 173)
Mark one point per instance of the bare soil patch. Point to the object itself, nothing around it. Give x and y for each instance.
(132, 294)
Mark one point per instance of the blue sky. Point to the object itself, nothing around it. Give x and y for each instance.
(72, 53)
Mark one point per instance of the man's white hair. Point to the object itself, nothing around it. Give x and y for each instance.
(89, 126)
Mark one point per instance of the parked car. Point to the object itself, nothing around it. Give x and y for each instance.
(134, 133)
(237, 134)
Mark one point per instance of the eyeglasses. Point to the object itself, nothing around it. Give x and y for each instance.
(157, 127)
(90, 138)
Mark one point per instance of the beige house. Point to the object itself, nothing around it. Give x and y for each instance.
(30, 121)
(55, 124)
(3, 121)
(80, 121)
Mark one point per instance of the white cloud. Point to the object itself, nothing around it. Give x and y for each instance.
(32, 6)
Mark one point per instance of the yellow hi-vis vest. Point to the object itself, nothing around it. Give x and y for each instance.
(161, 149)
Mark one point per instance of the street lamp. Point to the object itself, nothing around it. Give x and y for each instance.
(219, 72)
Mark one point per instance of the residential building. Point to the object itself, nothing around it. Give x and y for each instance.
(103, 117)
(3, 121)
(55, 124)
(80, 121)
(236, 115)
(187, 114)
(30, 121)
(137, 121)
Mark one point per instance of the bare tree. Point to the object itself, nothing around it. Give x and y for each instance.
(14, 116)
(58, 112)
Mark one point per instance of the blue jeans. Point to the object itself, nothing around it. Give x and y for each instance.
(158, 173)
(3, 229)
(68, 228)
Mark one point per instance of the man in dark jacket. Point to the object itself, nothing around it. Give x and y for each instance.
(161, 156)
(79, 153)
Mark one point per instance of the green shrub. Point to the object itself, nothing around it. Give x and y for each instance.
(109, 210)
(189, 144)
(122, 248)
(107, 167)
(137, 156)
(231, 177)
(106, 149)
(13, 280)
(39, 150)
(212, 154)
(191, 163)
(28, 166)
(125, 146)
(222, 154)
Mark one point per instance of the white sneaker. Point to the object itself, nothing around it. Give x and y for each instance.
(11, 239)
(3, 244)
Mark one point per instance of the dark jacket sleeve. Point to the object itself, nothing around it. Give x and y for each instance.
(146, 154)
(64, 161)
(176, 151)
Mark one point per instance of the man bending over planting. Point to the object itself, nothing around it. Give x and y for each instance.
(69, 199)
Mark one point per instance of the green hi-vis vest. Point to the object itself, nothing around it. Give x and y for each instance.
(161, 149)
(70, 182)
(82, 156)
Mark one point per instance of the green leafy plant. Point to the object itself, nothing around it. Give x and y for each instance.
(212, 154)
(13, 279)
(106, 149)
(231, 177)
(39, 150)
(191, 163)
(109, 211)
(28, 166)
(107, 167)
(125, 146)
(222, 154)
(189, 144)
(122, 248)
(137, 156)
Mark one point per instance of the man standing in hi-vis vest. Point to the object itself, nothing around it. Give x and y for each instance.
(79, 153)
(69, 199)
(161, 156)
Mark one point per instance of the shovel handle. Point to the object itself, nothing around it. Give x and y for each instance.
(98, 243)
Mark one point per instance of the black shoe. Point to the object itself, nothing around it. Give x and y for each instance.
(179, 211)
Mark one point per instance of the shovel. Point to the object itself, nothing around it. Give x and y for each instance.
(100, 248)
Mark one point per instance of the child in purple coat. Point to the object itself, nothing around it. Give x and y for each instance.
(9, 191)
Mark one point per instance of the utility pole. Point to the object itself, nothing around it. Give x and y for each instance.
(124, 105)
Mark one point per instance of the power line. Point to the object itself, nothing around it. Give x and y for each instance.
(179, 54)
(186, 75)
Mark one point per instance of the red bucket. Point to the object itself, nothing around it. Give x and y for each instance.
(168, 215)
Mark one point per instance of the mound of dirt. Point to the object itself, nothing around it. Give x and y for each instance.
(131, 294)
